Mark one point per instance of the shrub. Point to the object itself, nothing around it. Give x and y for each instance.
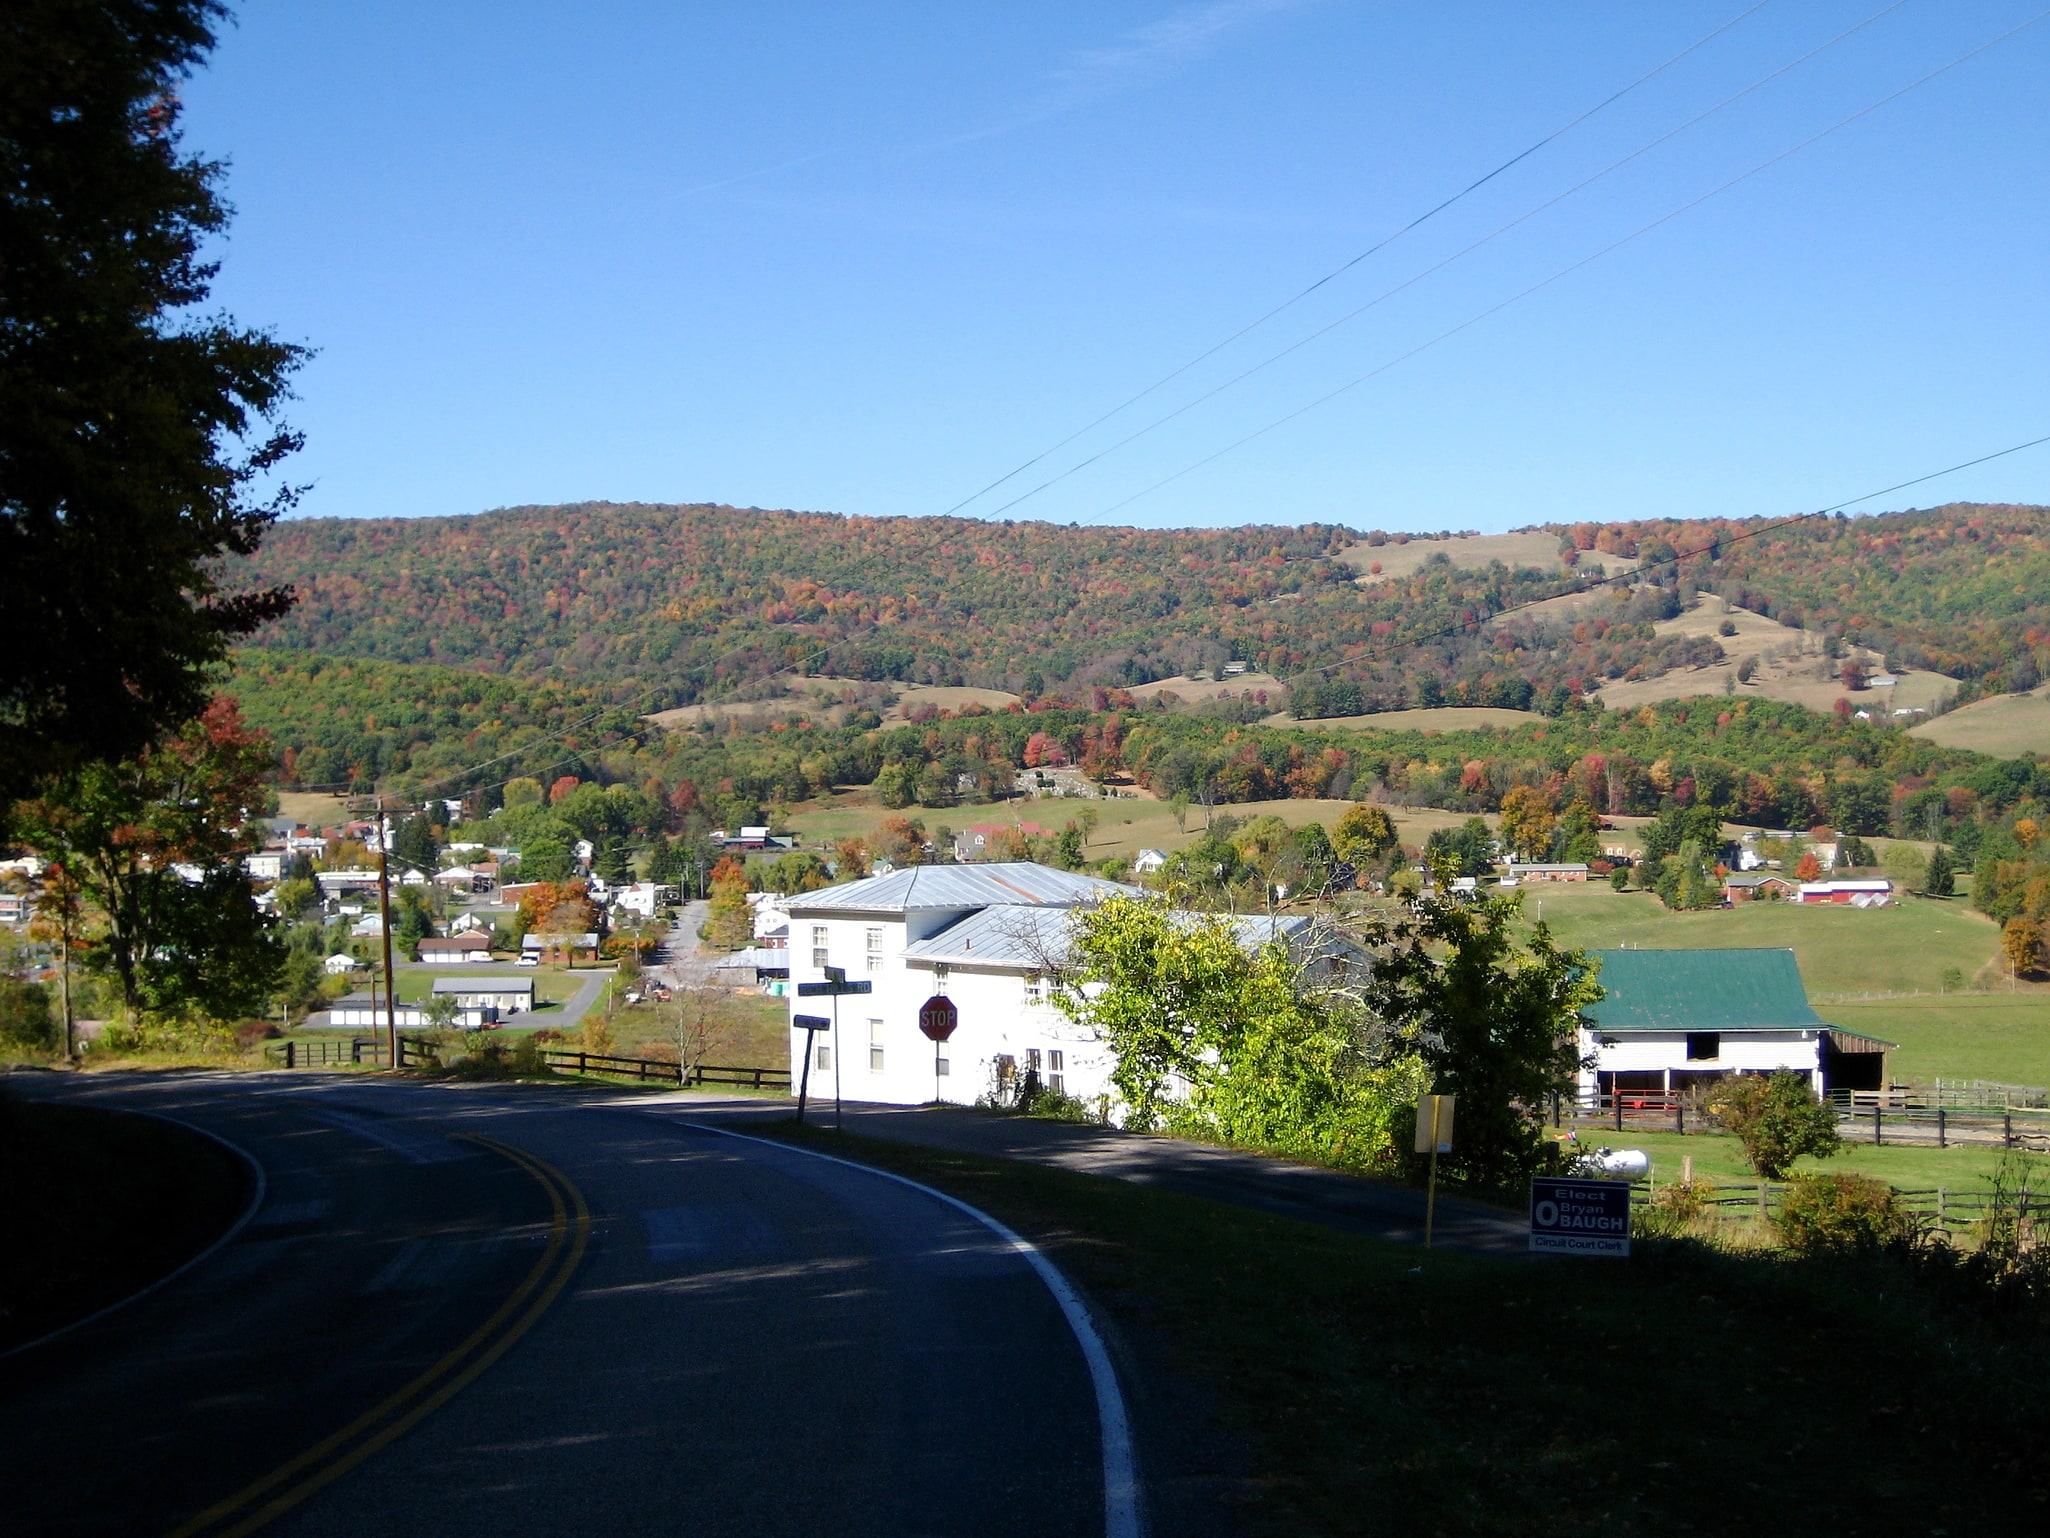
(1777, 1119)
(27, 1023)
(1843, 1215)
(1672, 1208)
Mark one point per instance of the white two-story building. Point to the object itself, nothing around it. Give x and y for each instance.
(982, 936)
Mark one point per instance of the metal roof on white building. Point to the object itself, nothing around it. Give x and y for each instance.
(1013, 935)
(1012, 884)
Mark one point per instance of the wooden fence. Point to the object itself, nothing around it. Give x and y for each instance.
(647, 1069)
(1940, 1206)
(369, 1052)
(1877, 1117)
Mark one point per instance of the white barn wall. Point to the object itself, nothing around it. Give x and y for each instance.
(1749, 1052)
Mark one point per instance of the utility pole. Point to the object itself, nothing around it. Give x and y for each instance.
(391, 993)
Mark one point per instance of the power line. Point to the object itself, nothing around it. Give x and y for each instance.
(1637, 571)
(1439, 266)
(1347, 266)
(1568, 270)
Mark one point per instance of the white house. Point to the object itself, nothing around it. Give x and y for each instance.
(1674, 1019)
(457, 950)
(339, 964)
(982, 937)
(643, 897)
(505, 995)
(1147, 861)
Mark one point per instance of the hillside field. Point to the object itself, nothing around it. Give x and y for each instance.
(1445, 718)
(2006, 726)
(1534, 547)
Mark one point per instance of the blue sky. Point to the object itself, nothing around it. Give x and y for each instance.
(868, 259)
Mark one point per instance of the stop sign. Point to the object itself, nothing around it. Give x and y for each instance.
(937, 1017)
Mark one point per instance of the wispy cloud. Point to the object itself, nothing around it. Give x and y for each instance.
(1141, 56)
(1156, 49)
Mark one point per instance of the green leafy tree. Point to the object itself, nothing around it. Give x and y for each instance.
(1686, 880)
(1362, 834)
(1213, 1039)
(1493, 1020)
(155, 847)
(547, 859)
(1777, 1118)
(135, 428)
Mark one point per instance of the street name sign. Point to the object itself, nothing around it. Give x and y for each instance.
(1579, 1217)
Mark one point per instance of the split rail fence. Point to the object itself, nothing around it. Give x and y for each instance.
(369, 1052)
(1907, 1116)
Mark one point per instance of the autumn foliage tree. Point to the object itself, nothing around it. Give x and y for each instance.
(155, 846)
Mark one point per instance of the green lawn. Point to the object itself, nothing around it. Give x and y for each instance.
(1317, 1382)
(1721, 1158)
(1998, 1036)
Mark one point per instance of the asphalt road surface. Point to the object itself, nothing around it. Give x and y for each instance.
(503, 1311)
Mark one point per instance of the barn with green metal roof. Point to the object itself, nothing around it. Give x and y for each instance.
(1670, 1019)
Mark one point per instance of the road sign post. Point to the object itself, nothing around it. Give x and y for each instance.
(1579, 1217)
(811, 1025)
(835, 984)
(1433, 1136)
(937, 1018)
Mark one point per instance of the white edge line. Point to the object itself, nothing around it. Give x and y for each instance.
(1120, 1470)
(256, 1196)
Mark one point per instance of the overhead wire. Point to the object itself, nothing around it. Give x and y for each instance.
(1347, 266)
(1439, 266)
(1569, 269)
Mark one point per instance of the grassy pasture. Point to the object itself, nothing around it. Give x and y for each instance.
(1446, 718)
(1124, 827)
(1533, 548)
(1841, 950)
(2006, 726)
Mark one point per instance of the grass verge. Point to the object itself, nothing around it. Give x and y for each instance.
(100, 1204)
(1681, 1391)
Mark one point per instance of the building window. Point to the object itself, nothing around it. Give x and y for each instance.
(824, 1060)
(1704, 1046)
(1032, 1059)
(874, 945)
(939, 975)
(1035, 989)
(1055, 1060)
(875, 1046)
(818, 946)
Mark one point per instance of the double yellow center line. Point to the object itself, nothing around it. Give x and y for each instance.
(569, 1233)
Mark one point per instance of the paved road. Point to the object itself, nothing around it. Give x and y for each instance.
(1360, 1205)
(680, 963)
(418, 1334)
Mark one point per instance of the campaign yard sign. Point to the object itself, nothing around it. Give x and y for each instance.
(1579, 1217)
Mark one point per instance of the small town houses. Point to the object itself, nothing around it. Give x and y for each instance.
(982, 936)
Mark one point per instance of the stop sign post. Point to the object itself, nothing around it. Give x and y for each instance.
(937, 1018)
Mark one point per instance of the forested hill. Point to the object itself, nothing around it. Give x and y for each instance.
(634, 591)
(699, 601)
